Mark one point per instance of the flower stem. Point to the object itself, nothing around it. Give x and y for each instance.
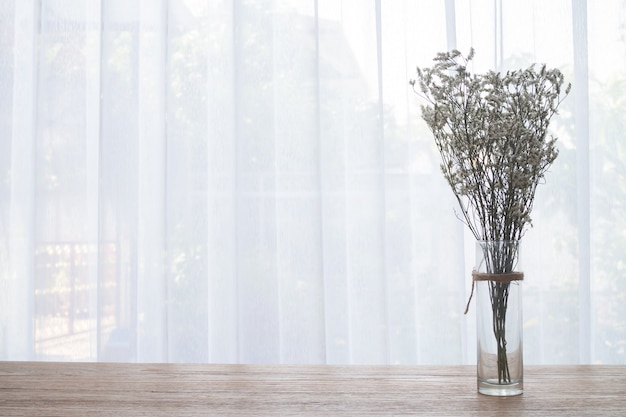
(499, 294)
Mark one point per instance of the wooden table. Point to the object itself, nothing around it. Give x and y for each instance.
(103, 389)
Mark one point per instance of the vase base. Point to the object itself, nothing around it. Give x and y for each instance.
(500, 390)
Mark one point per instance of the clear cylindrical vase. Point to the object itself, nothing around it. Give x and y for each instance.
(497, 280)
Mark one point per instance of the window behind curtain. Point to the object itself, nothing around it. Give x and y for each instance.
(250, 181)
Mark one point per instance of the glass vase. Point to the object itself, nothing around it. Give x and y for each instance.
(497, 280)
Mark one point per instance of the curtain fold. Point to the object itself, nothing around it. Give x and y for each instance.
(250, 181)
(583, 204)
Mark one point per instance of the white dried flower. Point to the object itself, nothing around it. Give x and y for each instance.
(491, 132)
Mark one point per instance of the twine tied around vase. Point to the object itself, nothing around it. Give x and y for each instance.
(483, 276)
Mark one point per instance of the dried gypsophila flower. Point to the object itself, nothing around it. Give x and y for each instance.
(491, 132)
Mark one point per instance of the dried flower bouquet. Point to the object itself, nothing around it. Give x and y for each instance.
(491, 130)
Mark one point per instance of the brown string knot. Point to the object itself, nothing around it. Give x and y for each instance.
(483, 276)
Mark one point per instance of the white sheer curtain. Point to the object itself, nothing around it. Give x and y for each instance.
(250, 181)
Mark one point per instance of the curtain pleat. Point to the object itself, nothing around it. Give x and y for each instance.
(20, 154)
(581, 132)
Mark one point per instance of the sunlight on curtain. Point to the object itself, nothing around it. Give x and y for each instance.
(251, 181)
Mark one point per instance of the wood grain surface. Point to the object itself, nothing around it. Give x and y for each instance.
(104, 389)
